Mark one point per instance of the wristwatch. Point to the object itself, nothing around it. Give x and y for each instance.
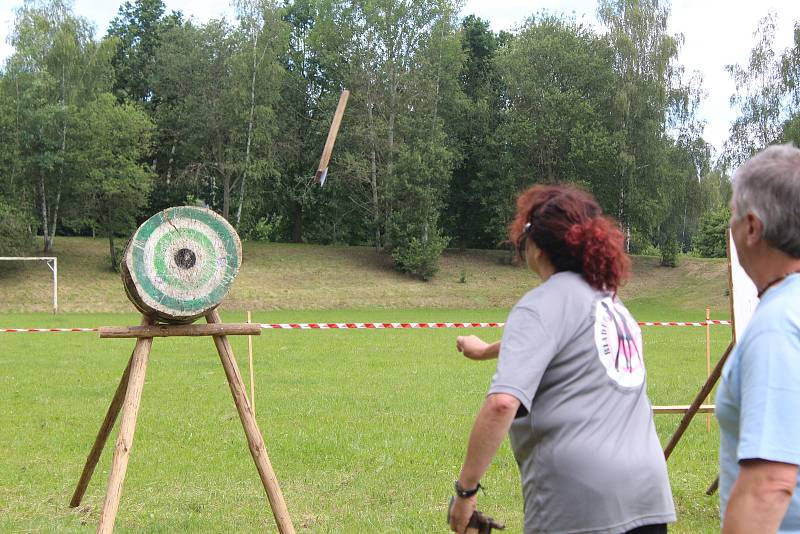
(461, 492)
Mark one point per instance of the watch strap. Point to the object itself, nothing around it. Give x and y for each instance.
(461, 492)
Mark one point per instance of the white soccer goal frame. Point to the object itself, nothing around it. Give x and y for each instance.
(52, 262)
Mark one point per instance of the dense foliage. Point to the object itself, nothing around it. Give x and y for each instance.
(446, 123)
(15, 236)
(710, 240)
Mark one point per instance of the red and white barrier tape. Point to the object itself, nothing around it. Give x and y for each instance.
(375, 326)
(354, 326)
(704, 323)
(45, 330)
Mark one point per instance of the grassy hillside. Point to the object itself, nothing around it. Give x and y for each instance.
(309, 277)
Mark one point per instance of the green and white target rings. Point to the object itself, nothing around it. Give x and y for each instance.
(180, 263)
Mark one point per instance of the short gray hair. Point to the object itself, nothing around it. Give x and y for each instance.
(768, 186)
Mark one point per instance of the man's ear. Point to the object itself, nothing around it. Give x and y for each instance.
(755, 230)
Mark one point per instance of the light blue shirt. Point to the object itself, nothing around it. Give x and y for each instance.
(758, 399)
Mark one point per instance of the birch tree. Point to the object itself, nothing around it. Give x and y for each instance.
(56, 66)
(644, 59)
(263, 38)
(760, 97)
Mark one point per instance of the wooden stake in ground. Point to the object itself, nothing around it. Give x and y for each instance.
(708, 359)
(322, 170)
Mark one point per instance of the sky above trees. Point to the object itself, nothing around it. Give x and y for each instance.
(716, 33)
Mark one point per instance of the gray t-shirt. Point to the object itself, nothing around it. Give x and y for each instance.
(584, 437)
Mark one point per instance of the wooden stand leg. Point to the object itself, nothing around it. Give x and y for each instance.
(102, 437)
(704, 392)
(122, 449)
(103, 433)
(254, 439)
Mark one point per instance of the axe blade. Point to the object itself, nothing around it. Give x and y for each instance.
(321, 176)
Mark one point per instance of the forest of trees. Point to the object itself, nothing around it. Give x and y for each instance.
(446, 122)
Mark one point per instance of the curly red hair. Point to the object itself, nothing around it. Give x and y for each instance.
(568, 224)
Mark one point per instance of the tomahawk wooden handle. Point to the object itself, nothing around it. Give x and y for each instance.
(337, 120)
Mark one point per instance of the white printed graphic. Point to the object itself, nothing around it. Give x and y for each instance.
(619, 343)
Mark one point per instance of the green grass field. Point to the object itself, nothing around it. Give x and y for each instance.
(366, 430)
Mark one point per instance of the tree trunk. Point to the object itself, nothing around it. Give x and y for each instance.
(373, 181)
(54, 211)
(390, 155)
(54, 220)
(16, 136)
(241, 201)
(376, 208)
(171, 161)
(685, 217)
(297, 222)
(249, 130)
(627, 239)
(390, 167)
(226, 195)
(111, 252)
(43, 206)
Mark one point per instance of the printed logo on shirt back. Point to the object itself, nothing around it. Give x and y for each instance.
(619, 343)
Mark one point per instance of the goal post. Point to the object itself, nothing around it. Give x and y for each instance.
(52, 263)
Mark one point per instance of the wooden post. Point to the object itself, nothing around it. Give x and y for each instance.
(704, 408)
(254, 439)
(105, 429)
(102, 437)
(127, 426)
(708, 359)
(55, 286)
(172, 330)
(252, 379)
(698, 401)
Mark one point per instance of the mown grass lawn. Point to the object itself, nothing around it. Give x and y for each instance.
(366, 430)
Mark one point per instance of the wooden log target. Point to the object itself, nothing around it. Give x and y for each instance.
(180, 263)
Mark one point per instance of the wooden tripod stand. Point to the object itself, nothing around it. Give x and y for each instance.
(128, 397)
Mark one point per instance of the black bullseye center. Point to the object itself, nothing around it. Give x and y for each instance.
(185, 258)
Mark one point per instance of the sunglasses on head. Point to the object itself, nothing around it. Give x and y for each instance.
(523, 239)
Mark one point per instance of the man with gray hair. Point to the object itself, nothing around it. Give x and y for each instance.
(758, 399)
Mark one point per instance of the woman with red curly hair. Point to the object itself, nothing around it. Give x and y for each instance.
(570, 383)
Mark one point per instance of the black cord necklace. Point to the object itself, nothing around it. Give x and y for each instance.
(776, 281)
